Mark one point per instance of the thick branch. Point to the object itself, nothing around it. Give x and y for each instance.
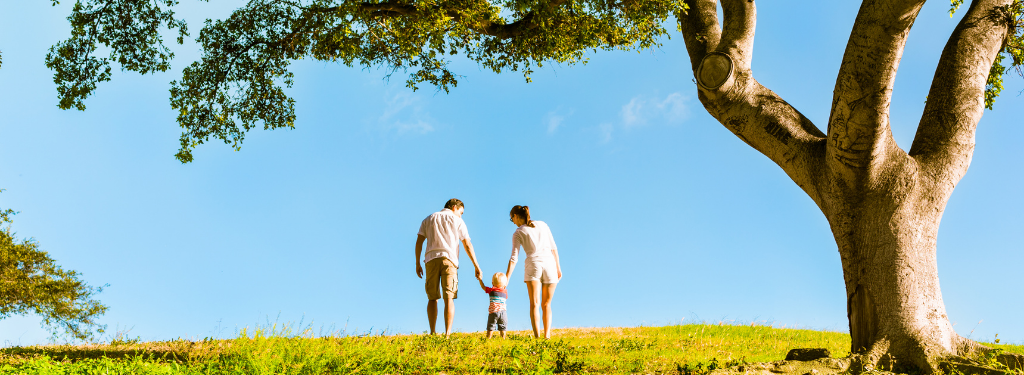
(700, 29)
(858, 127)
(730, 93)
(945, 138)
(740, 19)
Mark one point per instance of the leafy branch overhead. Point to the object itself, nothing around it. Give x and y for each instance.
(129, 28)
(239, 82)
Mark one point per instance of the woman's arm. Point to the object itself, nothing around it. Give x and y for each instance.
(511, 266)
(554, 251)
(515, 255)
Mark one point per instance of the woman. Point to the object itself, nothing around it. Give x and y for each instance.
(542, 269)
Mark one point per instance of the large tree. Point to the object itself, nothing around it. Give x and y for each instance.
(884, 204)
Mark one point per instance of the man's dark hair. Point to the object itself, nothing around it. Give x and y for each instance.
(453, 203)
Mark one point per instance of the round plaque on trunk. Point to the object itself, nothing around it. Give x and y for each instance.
(714, 70)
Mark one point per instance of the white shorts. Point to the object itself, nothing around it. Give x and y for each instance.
(544, 270)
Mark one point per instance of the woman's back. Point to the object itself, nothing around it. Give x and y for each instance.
(536, 242)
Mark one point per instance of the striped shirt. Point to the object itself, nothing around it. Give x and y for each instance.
(498, 297)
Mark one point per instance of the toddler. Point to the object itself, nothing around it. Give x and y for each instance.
(497, 317)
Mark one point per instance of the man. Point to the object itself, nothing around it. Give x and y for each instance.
(442, 232)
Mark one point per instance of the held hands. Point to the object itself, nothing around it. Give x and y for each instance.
(479, 274)
(419, 270)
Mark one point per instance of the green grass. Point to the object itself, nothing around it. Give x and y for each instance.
(693, 349)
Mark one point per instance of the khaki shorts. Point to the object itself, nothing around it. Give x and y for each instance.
(442, 275)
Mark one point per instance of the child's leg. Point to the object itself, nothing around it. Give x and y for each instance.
(489, 333)
(502, 322)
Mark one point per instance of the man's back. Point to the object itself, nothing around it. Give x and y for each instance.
(443, 230)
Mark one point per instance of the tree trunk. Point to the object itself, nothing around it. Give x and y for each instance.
(887, 241)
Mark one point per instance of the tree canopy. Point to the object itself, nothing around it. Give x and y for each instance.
(239, 82)
(32, 283)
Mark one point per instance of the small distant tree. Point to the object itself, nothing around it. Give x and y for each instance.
(32, 283)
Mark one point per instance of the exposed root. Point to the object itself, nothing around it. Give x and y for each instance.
(975, 358)
(987, 362)
(1012, 361)
(993, 364)
(823, 366)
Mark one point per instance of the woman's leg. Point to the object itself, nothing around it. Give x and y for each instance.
(533, 287)
(549, 291)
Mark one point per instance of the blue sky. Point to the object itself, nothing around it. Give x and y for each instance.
(661, 215)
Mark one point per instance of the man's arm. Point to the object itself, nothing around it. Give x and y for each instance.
(419, 248)
(472, 257)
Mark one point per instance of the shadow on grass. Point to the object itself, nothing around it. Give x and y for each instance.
(77, 353)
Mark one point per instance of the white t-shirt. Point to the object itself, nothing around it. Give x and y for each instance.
(443, 230)
(537, 242)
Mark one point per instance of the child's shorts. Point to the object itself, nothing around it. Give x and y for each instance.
(497, 321)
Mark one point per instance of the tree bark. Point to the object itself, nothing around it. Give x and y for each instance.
(887, 243)
(883, 204)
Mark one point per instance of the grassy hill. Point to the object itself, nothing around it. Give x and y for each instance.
(688, 349)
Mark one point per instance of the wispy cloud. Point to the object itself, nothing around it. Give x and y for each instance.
(404, 114)
(555, 119)
(415, 126)
(643, 109)
(631, 112)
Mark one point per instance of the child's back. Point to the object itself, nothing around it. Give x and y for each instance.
(498, 298)
(497, 315)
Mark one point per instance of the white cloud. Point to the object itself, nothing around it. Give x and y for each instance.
(641, 109)
(417, 126)
(553, 122)
(555, 119)
(404, 114)
(674, 107)
(632, 112)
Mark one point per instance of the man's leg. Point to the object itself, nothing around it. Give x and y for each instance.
(502, 334)
(432, 314)
(433, 285)
(450, 289)
(489, 333)
(449, 314)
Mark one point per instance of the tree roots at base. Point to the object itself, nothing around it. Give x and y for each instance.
(992, 363)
